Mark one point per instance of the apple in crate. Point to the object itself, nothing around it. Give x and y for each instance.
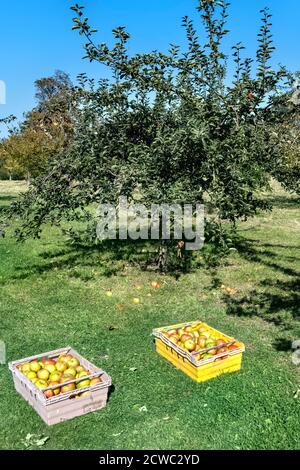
(35, 366)
(64, 358)
(83, 373)
(49, 393)
(50, 368)
(185, 337)
(56, 391)
(31, 375)
(95, 381)
(48, 361)
(25, 368)
(189, 345)
(83, 383)
(43, 374)
(68, 388)
(41, 384)
(202, 341)
(71, 371)
(61, 366)
(66, 378)
(55, 376)
(73, 362)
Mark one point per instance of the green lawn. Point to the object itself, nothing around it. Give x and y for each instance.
(53, 296)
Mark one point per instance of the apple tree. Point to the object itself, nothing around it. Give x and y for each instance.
(169, 127)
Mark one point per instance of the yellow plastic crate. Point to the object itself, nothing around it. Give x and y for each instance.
(203, 370)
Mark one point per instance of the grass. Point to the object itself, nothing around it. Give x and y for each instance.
(53, 295)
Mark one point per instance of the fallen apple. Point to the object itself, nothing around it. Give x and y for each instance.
(109, 293)
(136, 300)
(43, 374)
(155, 285)
(68, 388)
(73, 362)
(35, 366)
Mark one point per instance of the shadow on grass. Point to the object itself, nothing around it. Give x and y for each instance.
(275, 300)
(284, 202)
(282, 344)
(109, 258)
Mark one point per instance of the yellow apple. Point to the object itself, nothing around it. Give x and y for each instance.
(189, 345)
(43, 374)
(70, 371)
(35, 366)
(25, 368)
(50, 368)
(41, 384)
(83, 383)
(31, 375)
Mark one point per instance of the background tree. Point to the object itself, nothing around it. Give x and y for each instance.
(46, 130)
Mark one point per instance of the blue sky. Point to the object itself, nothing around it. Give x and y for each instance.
(36, 37)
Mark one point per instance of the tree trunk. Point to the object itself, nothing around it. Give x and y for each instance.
(163, 256)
